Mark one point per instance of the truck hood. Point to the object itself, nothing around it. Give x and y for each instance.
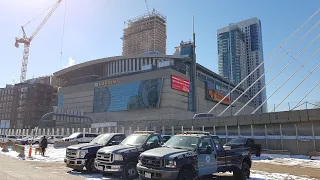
(167, 153)
(84, 146)
(119, 149)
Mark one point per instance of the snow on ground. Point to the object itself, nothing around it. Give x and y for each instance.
(51, 155)
(300, 160)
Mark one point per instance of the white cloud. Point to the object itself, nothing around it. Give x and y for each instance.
(70, 63)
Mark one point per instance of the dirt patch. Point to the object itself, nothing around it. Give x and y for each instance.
(292, 170)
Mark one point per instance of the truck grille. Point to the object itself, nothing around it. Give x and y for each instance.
(104, 157)
(152, 162)
(71, 153)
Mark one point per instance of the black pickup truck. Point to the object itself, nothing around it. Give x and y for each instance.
(242, 142)
(123, 158)
(192, 155)
(83, 155)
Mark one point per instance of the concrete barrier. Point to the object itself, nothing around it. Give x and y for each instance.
(282, 152)
(63, 144)
(19, 149)
(314, 153)
(4, 147)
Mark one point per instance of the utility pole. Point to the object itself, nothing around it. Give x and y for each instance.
(194, 70)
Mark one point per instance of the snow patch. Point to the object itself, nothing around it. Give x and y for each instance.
(293, 160)
(260, 175)
(51, 155)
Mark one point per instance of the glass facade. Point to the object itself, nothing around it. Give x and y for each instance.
(134, 95)
(60, 100)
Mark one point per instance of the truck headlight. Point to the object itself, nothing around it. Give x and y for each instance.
(118, 157)
(171, 164)
(82, 153)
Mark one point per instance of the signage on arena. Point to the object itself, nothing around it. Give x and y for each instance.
(180, 83)
(105, 83)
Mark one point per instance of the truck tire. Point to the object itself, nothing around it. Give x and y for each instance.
(185, 174)
(245, 169)
(130, 172)
(238, 175)
(90, 166)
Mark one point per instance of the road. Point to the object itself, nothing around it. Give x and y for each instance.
(15, 169)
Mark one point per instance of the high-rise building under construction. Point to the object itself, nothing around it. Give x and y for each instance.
(145, 33)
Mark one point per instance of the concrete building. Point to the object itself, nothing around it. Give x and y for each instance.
(25, 103)
(145, 33)
(231, 48)
(141, 87)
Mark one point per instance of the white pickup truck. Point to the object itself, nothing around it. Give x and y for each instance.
(81, 137)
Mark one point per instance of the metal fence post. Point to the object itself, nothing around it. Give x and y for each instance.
(266, 135)
(182, 130)
(239, 133)
(214, 130)
(192, 128)
(281, 138)
(297, 138)
(122, 130)
(226, 128)
(314, 138)
(163, 130)
(202, 128)
(252, 133)
(172, 130)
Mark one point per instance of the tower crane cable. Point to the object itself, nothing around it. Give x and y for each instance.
(63, 28)
(285, 67)
(39, 15)
(301, 66)
(275, 63)
(297, 87)
(271, 54)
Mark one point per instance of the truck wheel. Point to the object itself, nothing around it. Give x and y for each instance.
(90, 166)
(238, 175)
(130, 172)
(185, 174)
(245, 168)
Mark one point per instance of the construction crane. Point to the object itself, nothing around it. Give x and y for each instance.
(26, 41)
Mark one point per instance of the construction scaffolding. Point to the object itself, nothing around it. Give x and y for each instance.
(145, 33)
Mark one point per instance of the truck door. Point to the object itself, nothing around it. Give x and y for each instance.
(207, 161)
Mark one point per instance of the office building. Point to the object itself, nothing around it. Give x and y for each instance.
(146, 33)
(239, 41)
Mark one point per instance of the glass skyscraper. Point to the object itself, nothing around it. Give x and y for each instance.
(240, 51)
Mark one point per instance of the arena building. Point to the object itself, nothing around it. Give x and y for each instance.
(147, 86)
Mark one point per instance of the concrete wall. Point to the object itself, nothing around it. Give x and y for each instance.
(173, 103)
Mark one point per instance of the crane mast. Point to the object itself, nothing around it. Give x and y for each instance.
(26, 41)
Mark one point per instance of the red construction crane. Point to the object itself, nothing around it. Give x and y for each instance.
(26, 41)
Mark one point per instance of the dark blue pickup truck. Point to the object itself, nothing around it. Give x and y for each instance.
(83, 155)
(123, 158)
(192, 155)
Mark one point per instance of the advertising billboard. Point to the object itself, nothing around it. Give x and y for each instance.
(133, 95)
(216, 92)
(180, 84)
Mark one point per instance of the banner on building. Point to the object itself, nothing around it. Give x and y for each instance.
(180, 84)
(216, 92)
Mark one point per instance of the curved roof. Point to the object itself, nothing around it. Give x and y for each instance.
(114, 58)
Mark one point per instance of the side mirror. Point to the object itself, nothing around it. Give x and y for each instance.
(150, 145)
(112, 143)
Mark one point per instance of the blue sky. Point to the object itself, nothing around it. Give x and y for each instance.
(93, 30)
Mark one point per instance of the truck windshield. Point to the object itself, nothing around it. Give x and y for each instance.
(238, 141)
(182, 142)
(135, 139)
(74, 135)
(102, 139)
